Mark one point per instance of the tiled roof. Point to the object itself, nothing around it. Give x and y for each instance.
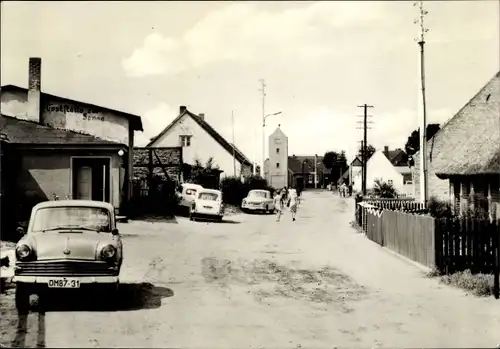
(135, 120)
(469, 143)
(356, 162)
(210, 130)
(397, 157)
(295, 164)
(239, 151)
(20, 131)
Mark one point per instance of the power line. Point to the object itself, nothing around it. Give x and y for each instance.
(365, 128)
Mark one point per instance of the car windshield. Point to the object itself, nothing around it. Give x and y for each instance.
(87, 218)
(208, 196)
(259, 194)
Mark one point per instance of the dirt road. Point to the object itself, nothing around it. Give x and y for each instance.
(252, 282)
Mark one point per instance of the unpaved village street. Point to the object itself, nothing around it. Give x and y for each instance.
(252, 282)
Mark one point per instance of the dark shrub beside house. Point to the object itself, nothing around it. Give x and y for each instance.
(234, 190)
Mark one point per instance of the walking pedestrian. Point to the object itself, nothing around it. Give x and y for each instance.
(350, 189)
(293, 203)
(279, 204)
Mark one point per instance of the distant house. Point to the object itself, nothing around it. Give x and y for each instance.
(399, 159)
(200, 141)
(308, 171)
(464, 155)
(59, 147)
(380, 167)
(355, 167)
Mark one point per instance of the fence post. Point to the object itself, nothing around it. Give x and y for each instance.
(438, 245)
(496, 283)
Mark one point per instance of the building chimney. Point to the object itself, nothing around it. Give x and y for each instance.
(202, 116)
(34, 87)
(182, 109)
(386, 150)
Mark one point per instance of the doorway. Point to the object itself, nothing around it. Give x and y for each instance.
(91, 178)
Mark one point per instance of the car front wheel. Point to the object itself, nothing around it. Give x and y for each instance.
(22, 298)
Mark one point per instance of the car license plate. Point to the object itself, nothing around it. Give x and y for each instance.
(64, 283)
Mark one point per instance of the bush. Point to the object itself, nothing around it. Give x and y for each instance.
(477, 284)
(384, 190)
(438, 208)
(234, 190)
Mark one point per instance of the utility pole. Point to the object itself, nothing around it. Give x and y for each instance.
(234, 146)
(263, 90)
(365, 127)
(422, 106)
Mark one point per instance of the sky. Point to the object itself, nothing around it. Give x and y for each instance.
(319, 60)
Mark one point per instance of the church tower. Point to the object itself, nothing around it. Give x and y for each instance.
(277, 163)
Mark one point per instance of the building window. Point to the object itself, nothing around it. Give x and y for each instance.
(277, 150)
(185, 141)
(277, 165)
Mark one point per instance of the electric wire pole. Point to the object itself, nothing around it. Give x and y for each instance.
(263, 90)
(364, 148)
(422, 106)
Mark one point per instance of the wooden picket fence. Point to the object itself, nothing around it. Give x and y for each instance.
(468, 244)
(406, 204)
(448, 244)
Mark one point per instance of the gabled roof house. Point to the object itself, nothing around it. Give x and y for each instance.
(200, 141)
(464, 155)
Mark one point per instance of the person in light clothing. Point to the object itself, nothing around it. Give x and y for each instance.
(293, 203)
(279, 204)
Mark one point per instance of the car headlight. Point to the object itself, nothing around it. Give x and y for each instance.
(23, 251)
(108, 252)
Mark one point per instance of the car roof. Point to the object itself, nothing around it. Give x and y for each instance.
(264, 190)
(205, 190)
(75, 203)
(191, 185)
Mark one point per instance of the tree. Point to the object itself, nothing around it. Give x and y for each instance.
(336, 163)
(370, 150)
(384, 189)
(413, 143)
(204, 174)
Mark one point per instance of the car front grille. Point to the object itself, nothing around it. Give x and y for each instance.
(65, 268)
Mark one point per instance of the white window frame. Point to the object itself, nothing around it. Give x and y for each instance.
(185, 140)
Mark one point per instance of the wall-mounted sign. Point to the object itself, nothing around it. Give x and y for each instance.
(87, 113)
(93, 117)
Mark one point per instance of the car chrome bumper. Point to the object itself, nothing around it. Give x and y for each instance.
(255, 208)
(83, 279)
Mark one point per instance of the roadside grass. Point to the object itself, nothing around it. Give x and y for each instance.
(480, 285)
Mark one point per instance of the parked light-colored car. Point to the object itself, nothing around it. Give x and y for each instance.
(187, 194)
(258, 200)
(207, 204)
(68, 244)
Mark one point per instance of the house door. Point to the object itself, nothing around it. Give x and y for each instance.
(84, 183)
(91, 179)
